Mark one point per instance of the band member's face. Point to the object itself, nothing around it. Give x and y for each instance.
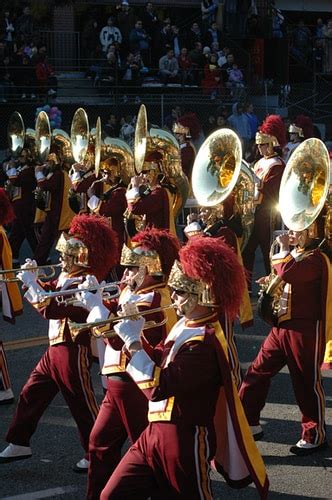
(263, 149)
(184, 302)
(294, 137)
(68, 264)
(134, 276)
(298, 237)
(149, 176)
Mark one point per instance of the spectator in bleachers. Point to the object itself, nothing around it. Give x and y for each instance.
(173, 117)
(212, 82)
(239, 122)
(126, 22)
(198, 62)
(277, 23)
(226, 68)
(213, 35)
(185, 68)
(194, 35)
(7, 78)
(231, 17)
(319, 29)
(168, 68)
(140, 40)
(90, 40)
(24, 25)
(110, 71)
(150, 21)
(46, 79)
(165, 36)
(210, 125)
(209, 10)
(112, 127)
(26, 78)
(222, 59)
(110, 34)
(235, 81)
(127, 130)
(221, 122)
(7, 30)
(253, 120)
(131, 69)
(301, 38)
(328, 46)
(178, 41)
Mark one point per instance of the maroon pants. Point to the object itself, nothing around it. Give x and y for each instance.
(64, 368)
(169, 461)
(302, 350)
(260, 237)
(4, 375)
(49, 234)
(123, 414)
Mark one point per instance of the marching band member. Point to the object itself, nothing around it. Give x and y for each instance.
(181, 130)
(11, 297)
(149, 198)
(268, 170)
(55, 184)
(111, 202)
(298, 341)
(22, 182)
(301, 129)
(123, 412)
(82, 177)
(188, 383)
(219, 224)
(65, 366)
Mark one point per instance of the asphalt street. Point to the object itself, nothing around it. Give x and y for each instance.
(56, 447)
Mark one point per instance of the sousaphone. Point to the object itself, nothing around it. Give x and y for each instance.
(79, 135)
(16, 134)
(157, 139)
(43, 136)
(304, 184)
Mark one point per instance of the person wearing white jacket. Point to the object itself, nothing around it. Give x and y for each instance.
(110, 34)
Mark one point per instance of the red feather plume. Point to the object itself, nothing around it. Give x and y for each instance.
(161, 241)
(101, 240)
(213, 262)
(273, 125)
(305, 123)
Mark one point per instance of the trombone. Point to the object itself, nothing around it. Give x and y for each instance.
(76, 328)
(65, 297)
(43, 276)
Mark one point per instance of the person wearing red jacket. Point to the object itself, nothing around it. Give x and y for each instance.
(65, 366)
(55, 185)
(298, 340)
(268, 170)
(195, 416)
(123, 412)
(22, 184)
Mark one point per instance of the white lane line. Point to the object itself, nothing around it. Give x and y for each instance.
(44, 493)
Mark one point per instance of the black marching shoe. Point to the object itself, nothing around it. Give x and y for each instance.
(302, 448)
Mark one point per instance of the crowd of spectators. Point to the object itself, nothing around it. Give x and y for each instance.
(136, 47)
(24, 69)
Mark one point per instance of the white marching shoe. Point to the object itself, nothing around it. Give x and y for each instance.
(82, 466)
(15, 452)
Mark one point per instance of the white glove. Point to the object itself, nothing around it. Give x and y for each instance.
(130, 330)
(26, 275)
(89, 300)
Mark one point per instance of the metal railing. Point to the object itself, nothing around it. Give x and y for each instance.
(63, 47)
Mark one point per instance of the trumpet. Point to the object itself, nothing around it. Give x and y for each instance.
(65, 297)
(43, 276)
(76, 328)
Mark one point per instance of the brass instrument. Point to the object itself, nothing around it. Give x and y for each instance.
(65, 297)
(43, 136)
(79, 135)
(117, 148)
(62, 145)
(219, 171)
(303, 193)
(16, 134)
(78, 327)
(157, 139)
(42, 276)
